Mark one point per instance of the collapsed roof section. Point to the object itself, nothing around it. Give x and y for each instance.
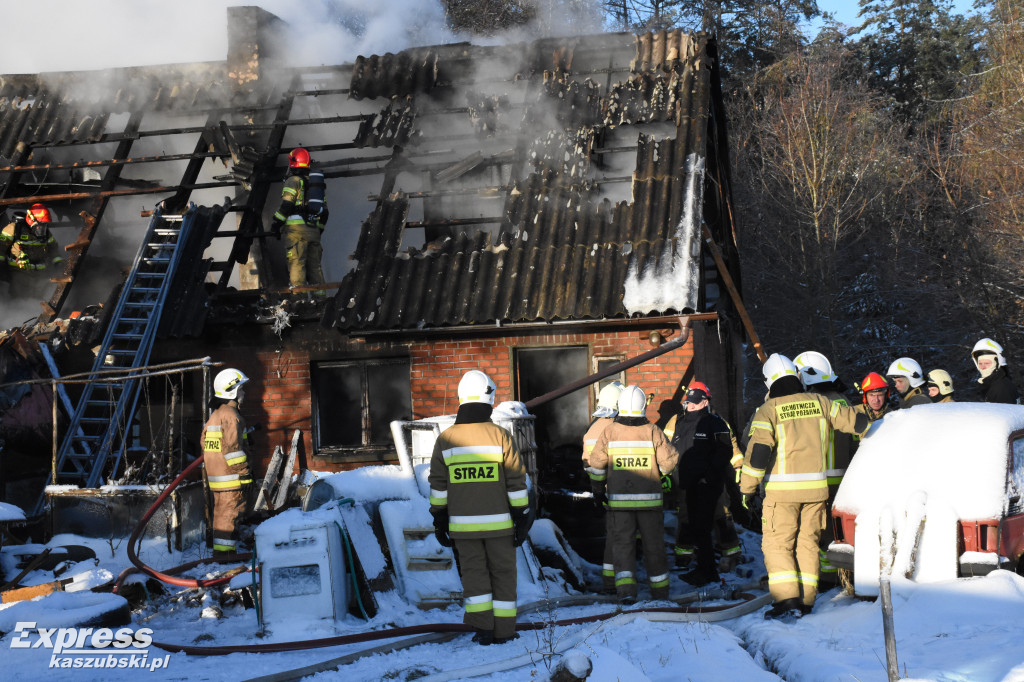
(569, 184)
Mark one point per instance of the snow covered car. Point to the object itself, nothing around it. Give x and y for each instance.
(936, 491)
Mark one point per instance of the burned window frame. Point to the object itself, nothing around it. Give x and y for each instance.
(382, 449)
(595, 367)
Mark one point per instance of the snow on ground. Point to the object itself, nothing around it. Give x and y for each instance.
(966, 629)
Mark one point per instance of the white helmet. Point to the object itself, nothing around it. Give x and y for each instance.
(632, 402)
(227, 382)
(907, 367)
(476, 387)
(608, 400)
(942, 381)
(988, 346)
(776, 367)
(814, 368)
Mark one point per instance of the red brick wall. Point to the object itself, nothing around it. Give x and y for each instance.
(280, 398)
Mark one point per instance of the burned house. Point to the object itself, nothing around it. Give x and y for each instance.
(541, 211)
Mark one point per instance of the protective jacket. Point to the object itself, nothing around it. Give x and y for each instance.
(477, 476)
(945, 399)
(789, 444)
(998, 387)
(225, 447)
(871, 414)
(294, 209)
(629, 460)
(702, 440)
(840, 448)
(591, 436)
(914, 396)
(22, 249)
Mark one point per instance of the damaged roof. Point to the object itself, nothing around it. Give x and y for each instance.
(557, 244)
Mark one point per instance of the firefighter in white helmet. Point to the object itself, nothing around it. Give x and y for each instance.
(628, 461)
(479, 502)
(817, 376)
(907, 377)
(607, 410)
(226, 458)
(788, 441)
(996, 384)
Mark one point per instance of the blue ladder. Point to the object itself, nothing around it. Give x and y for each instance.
(96, 435)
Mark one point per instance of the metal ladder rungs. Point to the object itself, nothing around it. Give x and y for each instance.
(127, 336)
(145, 290)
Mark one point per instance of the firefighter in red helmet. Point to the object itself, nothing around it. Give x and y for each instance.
(26, 244)
(301, 218)
(875, 389)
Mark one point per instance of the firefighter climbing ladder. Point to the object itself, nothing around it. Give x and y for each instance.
(95, 435)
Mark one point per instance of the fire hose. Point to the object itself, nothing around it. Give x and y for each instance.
(136, 537)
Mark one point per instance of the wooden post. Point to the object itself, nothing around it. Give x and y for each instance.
(53, 400)
(891, 665)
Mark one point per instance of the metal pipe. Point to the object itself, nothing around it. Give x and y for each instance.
(684, 325)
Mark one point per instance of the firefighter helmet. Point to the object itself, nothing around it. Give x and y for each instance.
(698, 393)
(909, 368)
(988, 347)
(874, 382)
(476, 387)
(940, 379)
(814, 368)
(298, 158)
(776, 367)
(38, 214)
(608, 400)
(632, 402)
(227, 382)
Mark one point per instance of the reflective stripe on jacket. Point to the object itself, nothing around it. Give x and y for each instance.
(477, 475)
(789, 443)
(225, 448)
(589, 441)
(633, 458)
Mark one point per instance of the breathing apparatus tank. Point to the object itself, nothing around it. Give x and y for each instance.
(316, 195)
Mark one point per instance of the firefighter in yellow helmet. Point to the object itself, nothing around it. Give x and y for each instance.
(628, 462)
(479, 502)
(302, 216)
(607, 410)
(226, 458)
(788, 443)
(940, 386)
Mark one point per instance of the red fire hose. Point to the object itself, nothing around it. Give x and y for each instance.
(136, 537)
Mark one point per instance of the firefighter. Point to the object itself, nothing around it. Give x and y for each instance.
(908, 378)
(875, 404)
(629, 460)
(226, 458)
(704, 443)
(996, 384)
(607, 409)
(26, 244)
(727, 542)
(787, 447)
(817, 376)
(479, 503)
(940, 386)
(302, 215)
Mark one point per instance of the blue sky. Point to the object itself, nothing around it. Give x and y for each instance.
(846, 10)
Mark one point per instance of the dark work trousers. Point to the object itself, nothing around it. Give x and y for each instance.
(701, 501)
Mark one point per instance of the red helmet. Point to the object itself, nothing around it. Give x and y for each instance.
(37, 214)
(298, 158)
(698, 393)
(873, 382)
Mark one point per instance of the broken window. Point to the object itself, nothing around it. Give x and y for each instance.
(356, 401)
(602, 363)
(560, 422)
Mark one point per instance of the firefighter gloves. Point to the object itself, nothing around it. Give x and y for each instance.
(521, 522)
(600, 496)
(666, 482)
(748, 499)
(441, 529)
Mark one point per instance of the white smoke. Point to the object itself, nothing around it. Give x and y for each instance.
(103, 34)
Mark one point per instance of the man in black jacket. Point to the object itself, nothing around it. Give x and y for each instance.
(704, 443)
(996, 384)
